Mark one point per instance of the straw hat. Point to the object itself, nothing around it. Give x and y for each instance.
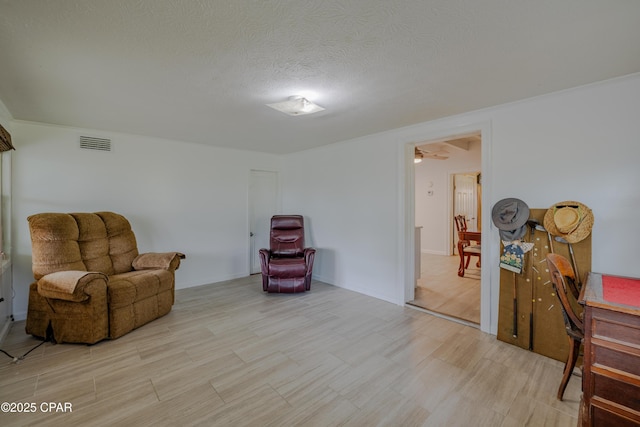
(510, 216)
(570, 220)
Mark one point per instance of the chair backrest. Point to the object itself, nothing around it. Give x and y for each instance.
(287, 236)
(562, 274)
(461, 223)
(101, 241)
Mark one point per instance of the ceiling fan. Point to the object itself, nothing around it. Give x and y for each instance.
(437, 154)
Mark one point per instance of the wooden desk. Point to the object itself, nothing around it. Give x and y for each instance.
(611, 373)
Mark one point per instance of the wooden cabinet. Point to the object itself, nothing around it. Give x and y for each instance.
(611, 373)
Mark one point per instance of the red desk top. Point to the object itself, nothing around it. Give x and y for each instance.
(621, 290)
(611, 293)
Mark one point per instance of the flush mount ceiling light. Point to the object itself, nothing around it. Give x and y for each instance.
(296, 106)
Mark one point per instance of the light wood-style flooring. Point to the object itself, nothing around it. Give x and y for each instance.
(441, 290)
(229, 354)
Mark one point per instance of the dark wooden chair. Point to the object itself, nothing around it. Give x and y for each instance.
(468, 244)
(563, 280)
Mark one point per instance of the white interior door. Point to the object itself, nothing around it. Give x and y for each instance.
(465, 202)
(264, 196)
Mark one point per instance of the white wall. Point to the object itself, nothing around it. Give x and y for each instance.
(178, 196)
(433, 212)
(6, 308)
(581, 144)
(347, 194)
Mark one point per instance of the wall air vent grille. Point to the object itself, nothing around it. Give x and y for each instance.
(91, 143)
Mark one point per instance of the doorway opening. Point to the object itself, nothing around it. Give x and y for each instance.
(447, 183)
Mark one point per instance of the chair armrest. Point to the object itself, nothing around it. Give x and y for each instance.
(154, 260)
(68, 285)
(309, 256)
(264, 254)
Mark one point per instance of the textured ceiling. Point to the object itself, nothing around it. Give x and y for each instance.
(202, 71)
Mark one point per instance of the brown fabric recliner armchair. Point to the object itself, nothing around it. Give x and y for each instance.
(91, 282)
(286, 266)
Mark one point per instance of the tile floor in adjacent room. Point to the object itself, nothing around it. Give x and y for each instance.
(441, 290)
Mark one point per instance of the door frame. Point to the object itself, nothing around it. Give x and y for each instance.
(489, 291)
(278, 207)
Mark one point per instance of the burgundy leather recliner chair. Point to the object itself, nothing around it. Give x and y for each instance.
(286, 266)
